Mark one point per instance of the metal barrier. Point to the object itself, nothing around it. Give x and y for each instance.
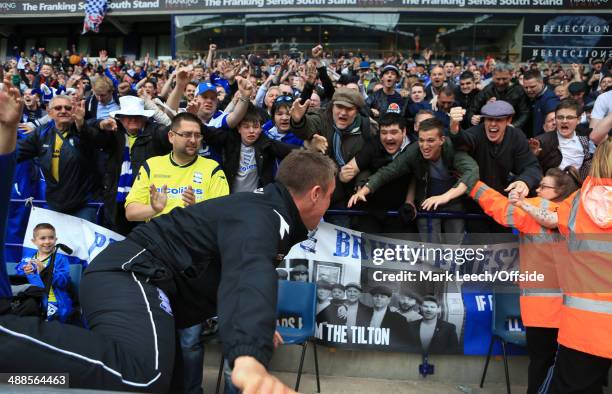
(331, 212)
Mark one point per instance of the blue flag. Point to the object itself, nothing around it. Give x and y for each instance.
(94, 15)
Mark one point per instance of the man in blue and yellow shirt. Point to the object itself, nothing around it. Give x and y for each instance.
(179, 179)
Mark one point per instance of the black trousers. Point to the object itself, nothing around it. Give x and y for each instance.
(576, 372)
(130, 343)
(542, 347)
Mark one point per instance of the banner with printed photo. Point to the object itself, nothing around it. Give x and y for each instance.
(387, 293)
(86, 239)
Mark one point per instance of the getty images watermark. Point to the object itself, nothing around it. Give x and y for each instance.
(412, 255)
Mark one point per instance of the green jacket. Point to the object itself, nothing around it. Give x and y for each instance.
(411, 161)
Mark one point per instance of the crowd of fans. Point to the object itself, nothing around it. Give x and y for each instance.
(514, 121)
(149, 136)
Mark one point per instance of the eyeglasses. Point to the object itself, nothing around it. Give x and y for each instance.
(542, 186)
(561, 118)
(60, 107)
(188, 136)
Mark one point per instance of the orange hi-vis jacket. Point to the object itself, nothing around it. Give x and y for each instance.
(540, 301)
(585, 219)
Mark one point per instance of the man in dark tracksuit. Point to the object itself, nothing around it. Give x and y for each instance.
(170, 271)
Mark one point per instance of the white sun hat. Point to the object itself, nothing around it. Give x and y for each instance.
(132, 106)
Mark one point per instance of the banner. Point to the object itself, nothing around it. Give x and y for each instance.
(384, 293)
(84, 238)
(567, 38)
(138, 7)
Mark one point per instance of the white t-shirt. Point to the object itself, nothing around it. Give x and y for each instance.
(247, 179)
(603, 106)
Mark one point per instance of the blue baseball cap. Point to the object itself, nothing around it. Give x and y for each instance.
(204, 87)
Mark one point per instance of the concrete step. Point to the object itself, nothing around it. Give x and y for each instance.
(352, 385)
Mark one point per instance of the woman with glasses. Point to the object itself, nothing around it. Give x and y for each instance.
(540, 302)
(564, 147)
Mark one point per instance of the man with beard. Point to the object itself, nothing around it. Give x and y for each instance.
(408, 305)
(386, 99)
(541, 99)
(431, 334)
(503, 89)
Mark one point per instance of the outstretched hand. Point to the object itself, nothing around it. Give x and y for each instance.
(11, 105)
(298, 110)
(359, 196)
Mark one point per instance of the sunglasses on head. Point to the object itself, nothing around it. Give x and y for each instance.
(283, 98)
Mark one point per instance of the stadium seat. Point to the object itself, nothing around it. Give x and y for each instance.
(506, 306)
(299, 299)
(76, 270)
(294, 299)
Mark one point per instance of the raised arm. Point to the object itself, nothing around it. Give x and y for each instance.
(11, 106)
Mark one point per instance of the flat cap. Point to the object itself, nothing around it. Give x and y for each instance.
(497, 109)
(381, 289)
(348, 98)
(323, 284)
(338, 286)
(354, 285)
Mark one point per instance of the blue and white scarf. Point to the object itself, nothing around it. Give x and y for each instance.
(354, 129)
(126, 178)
